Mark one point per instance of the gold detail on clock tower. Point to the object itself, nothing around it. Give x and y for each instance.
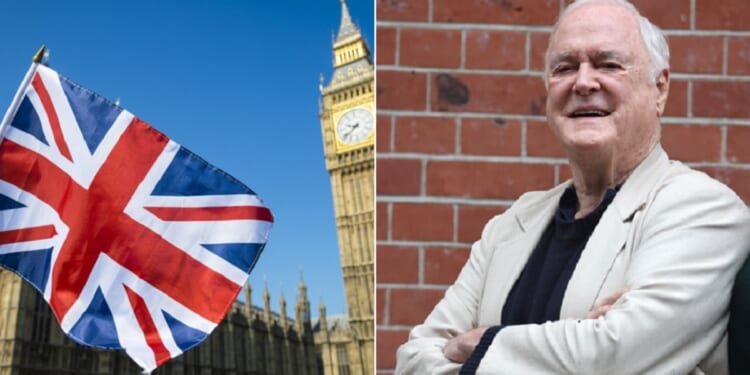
(347, 116)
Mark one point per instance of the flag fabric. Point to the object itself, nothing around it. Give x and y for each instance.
(135, 242)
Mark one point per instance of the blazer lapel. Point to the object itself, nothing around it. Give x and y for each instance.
(607, 240)
(610, 236)
(509, 258)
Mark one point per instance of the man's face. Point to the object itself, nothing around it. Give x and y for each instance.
(601, 96)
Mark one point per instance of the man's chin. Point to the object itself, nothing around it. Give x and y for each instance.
(592, 144)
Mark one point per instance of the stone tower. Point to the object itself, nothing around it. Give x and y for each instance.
(348, 125)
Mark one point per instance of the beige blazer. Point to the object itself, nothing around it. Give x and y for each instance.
(674, 236)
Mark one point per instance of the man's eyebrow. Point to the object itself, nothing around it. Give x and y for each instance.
(560, 57)
(599, 55)
(606, 55)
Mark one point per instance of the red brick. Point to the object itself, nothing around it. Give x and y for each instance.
(388, 342)
(486, 136)
(539, 43)
(386, 48)
(383, 133)
(677, 100)
(696, 54)
(401, 90)
(472, 218)
(721, 99)
(738, 140)
(529, 12)
(381, 217)
(442, 264)
(427, 135)
(380, 297)
(724, 14)
(402, 10)
(737, 179)
(667, 14)
(411, 306)
(399, 177)
(541, 141)
(692, 143)
(430, 48)
(500, 94)
(738, 55)
(487, 49)
(397, 264)
(485, 179)
(422, 222)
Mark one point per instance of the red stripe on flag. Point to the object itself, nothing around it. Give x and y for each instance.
(27, 234)
(51, 115)
(211, 213)
(148, 327)
(97, 223)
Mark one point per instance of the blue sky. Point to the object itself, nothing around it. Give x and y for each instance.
(234, 81)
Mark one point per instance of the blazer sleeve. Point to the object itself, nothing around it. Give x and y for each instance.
(695, 236)
(455, 313)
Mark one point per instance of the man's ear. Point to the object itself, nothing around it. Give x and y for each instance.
(662, 85)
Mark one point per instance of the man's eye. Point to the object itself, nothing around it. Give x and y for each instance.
(611, 65)
(562, 69)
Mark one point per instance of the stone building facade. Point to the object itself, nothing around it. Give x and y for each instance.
(250, 340)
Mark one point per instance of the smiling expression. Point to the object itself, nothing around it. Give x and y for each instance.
(601, 99)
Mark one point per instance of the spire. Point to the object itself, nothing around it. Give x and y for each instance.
(266, 298)
(248, 299)
(352, 64)
(282, 305)
(347, 28)
(302, 307)
(322, 317)
(302, 288)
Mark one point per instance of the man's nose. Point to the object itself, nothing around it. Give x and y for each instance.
(586, 81)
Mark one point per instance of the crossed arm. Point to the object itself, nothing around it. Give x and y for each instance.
(459, 348)
(674, 314)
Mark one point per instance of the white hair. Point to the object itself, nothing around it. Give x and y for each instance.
(653, 38)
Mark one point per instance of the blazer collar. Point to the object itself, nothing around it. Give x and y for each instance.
(540, 210)
(633, 194)
(607, 240)
(629, 199)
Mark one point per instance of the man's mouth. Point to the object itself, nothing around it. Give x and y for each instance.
(589, 113)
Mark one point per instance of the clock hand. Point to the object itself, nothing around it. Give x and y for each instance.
(356, 125)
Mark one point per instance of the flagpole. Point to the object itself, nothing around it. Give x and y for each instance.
(21, 90)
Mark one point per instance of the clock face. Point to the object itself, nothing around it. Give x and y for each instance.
(355, 126)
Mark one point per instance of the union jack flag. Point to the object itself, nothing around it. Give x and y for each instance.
(135, 242)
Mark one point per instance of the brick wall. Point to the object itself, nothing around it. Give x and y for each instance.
(462, 132)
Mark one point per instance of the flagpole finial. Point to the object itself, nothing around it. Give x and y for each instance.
(39, 54)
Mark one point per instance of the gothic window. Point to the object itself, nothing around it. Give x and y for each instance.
(280, 358)
(218, 346)
(343, 359)
(260, 344)
(240, 343)
(41, 320)
(319, 358)
(293, 359)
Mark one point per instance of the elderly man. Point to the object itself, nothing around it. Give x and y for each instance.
(626, 269)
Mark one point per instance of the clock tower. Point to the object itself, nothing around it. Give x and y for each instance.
(347, 117)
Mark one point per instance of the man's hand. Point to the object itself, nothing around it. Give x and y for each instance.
(459, 348)
(606, 304)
